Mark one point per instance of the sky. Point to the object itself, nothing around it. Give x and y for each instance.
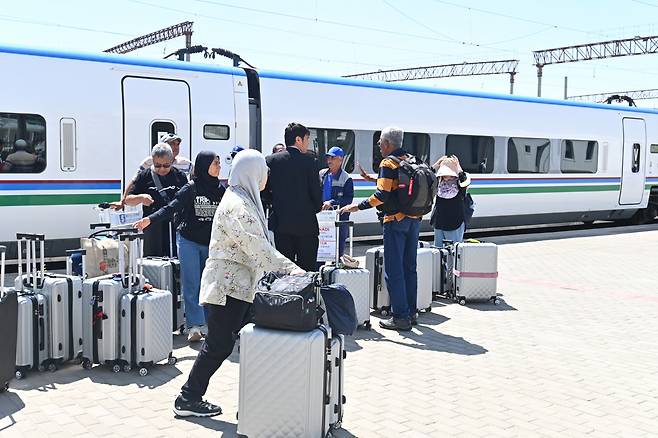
(341, 37)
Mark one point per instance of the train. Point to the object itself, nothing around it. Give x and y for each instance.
(86, 121)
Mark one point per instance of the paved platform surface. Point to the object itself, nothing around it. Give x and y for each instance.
(570, 352)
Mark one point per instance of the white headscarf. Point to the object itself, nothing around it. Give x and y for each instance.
(248, 171)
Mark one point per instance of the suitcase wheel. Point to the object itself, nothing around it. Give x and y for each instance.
(52, 367)
(462, 301)
(143, 372)
(428, 309)
(116, 368)
(495, 300)
(367, 325)
(86, 364)
(41, 368)
(172, 360)
(19, 374)
(4, 388)
(383, 312)
(127, 368)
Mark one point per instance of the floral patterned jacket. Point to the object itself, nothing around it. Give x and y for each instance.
(239, 253)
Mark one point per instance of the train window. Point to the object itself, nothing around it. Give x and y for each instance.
(158, 128)
(216, 132)
(417, 144)
(22, 143)
(324, 139)
(67, 141)
(475, 152)
(654, 149)
(579, 156)
(528, 155)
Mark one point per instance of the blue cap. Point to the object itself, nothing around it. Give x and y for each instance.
(335, 152)
(237, 149)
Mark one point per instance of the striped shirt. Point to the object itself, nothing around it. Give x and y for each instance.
(387, 185)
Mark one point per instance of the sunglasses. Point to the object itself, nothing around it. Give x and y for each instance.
(166, 166)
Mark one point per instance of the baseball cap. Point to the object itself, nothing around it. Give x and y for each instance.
(237, 149)
(445, 171)
(166, 138)
(335, 152)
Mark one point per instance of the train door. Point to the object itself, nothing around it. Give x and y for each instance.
(633, 162)
(152, 107)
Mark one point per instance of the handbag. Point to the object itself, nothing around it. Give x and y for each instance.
(288, 302)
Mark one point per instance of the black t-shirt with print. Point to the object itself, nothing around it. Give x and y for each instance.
(195, 211)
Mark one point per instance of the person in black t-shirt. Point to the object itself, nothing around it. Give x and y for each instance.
(195, 205)
(448, 214)
(154, 188)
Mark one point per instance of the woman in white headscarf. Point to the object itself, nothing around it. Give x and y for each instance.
(239, 254)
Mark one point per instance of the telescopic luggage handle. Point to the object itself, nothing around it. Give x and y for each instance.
(3, 250)
(350, 224)
(32, 270)
(135, 244)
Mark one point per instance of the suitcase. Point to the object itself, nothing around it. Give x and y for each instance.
(475, 272)
(164, 273)
(101, 313)
(146, 315)
(295, 367)
(32, 336)
(63, 294)
(425, 275)
(355, 280)
(8, 328)
(379, 299)
(337, 398)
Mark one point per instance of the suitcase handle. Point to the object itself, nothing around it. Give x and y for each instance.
(135, 244)
(31, 266)
(350, 225)
(3, 250)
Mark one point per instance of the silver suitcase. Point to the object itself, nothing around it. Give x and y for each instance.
(425, 275)
(379, 299)
(285, 382)
(475, 272)
(32, 347)
(146, 336)
(337, 397)
(356, 281)
(101, 313)
(164, 273)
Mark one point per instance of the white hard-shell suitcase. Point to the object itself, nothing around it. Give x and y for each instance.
(356, 281)
(379, 298)
(295, 367)
(425, 275)
(164, 273)
(101, 314)
(475, 272)
(337, 397)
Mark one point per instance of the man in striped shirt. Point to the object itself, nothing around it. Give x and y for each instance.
(400, 234)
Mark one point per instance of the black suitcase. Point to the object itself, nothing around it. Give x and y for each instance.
(8, 328)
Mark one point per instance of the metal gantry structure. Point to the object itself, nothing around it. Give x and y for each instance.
(602, 97)
(444, 71)
(168, 33)
(587, 52)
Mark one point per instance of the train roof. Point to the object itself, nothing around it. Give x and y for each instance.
(301, 77)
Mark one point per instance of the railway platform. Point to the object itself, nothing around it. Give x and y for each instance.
(569, 352)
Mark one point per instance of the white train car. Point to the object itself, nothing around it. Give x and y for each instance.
(89, 119)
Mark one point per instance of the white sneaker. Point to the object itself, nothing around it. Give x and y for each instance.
(194, 334)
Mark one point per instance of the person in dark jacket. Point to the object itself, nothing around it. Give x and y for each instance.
(293, 191)
(337, 190)
(154, 195)
(448, 214)
(195, 205)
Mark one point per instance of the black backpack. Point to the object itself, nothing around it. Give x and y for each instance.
(417, 186)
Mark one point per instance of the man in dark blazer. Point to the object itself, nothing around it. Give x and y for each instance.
(293, 190)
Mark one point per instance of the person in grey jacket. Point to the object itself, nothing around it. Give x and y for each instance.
(240, 252)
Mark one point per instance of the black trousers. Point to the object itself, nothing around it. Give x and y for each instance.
(223, 323)
(303, 250)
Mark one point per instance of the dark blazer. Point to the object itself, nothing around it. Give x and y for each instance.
(293, 190)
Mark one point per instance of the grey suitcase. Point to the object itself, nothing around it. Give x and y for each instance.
(8, 328)
(337, 397)
(379, 299)
(425, 275)
(101, 313)
(356, 281)
(164, 273)
(475, 272)
(63, 294)
(293, 367)
(32, 336)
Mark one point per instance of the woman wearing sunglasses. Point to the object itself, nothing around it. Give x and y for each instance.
(155, 187)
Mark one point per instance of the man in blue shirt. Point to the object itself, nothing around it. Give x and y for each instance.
(337, 189)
